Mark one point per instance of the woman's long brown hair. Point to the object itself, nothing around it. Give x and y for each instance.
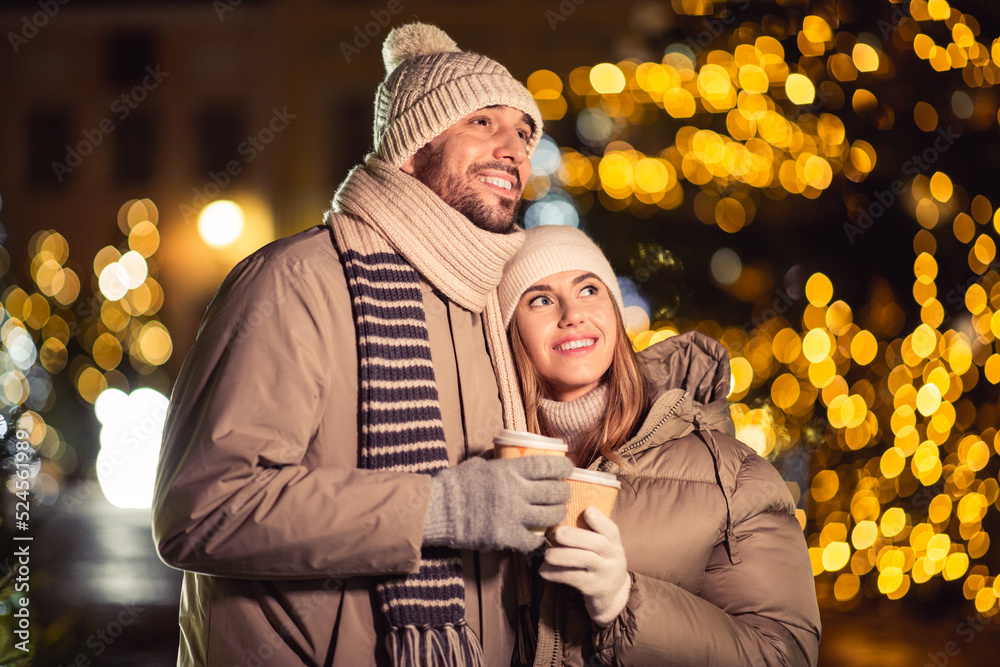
(628, 398)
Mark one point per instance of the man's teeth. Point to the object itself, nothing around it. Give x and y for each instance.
(499, 182)
(574, 344)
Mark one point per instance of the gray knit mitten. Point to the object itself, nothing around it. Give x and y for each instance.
(488, 505)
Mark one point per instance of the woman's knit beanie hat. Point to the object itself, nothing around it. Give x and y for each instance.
(430, 84)
(550, 249)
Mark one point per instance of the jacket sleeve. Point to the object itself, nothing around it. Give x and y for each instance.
(239, 492)
(761, 611)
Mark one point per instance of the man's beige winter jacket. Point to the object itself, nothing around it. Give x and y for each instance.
(258, 494)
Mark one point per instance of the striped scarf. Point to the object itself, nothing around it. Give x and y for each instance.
(397, 231)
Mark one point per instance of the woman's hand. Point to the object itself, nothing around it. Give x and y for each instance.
(593, 562)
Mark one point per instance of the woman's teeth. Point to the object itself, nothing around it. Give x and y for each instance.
(574, 344)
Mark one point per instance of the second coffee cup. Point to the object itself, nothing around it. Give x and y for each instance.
(588, 487)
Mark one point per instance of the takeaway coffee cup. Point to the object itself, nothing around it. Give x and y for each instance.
(514, 444)
(589, 487)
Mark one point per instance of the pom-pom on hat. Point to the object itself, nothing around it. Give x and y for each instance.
(430, 84)
(550, 249)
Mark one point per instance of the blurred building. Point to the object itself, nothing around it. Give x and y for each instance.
(267, 103)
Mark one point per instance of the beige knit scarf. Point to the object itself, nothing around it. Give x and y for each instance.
(462, 261)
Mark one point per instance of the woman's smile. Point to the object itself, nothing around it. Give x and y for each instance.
(576, 345)
(568, 326)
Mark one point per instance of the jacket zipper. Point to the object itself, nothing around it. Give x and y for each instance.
(639, 443)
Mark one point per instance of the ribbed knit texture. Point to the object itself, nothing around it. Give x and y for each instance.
(396, 228)
(570, 419)
(551, 249)
(427, 94)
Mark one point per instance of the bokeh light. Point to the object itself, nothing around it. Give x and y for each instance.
(220, 223)
(131, 430)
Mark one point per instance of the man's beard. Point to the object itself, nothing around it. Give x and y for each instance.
(430, 170)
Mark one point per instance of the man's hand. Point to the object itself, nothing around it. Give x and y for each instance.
(593, 562)
(487, 505)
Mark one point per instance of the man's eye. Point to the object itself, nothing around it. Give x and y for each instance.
(481, 121)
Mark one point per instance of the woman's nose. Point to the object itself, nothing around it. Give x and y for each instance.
(571, 315)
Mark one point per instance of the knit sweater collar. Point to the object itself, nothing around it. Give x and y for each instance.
(570, 419)
(461, 260)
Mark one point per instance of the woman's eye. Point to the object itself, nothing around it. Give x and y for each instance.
(539, 301)
(589, 290)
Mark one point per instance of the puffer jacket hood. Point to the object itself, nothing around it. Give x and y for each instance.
(691, 361)
(689, 380)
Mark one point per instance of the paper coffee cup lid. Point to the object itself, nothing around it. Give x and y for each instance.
(595, 477)
(525, 439)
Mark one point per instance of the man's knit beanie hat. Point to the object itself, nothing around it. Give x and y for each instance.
(550, 249)
(430, 84)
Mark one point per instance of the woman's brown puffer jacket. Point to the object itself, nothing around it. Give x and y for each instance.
(719, 566)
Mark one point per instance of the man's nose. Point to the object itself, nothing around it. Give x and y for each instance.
(510, 146)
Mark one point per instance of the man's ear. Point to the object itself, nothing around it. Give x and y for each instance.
(407, 167)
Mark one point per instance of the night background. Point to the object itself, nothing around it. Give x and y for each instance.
(814, 183)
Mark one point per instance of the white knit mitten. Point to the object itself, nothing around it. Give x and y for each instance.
(593, 562)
